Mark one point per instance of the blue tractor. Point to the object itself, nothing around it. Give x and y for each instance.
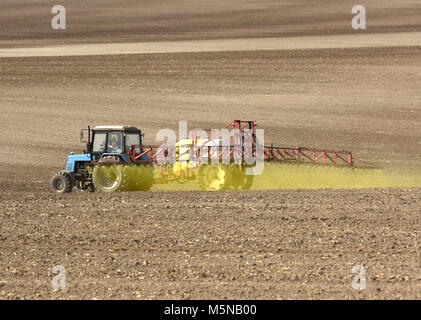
(106, 164)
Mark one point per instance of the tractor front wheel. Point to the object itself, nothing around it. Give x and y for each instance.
(61, 183)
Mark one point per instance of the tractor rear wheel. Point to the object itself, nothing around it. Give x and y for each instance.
(61, 183)
(110, 178)
(213, 177)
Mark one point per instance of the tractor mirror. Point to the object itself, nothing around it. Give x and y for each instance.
(82, 135)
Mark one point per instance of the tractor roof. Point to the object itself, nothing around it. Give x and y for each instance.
(117, 128)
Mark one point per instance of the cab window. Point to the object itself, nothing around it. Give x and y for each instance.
(132, 139)
(114, 142)
(99, 142)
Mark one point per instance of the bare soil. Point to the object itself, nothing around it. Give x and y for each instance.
(189, 245)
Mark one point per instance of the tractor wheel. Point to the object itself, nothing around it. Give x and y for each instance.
(110, 178)
(239, 179)
(61, 183)
(213, 177)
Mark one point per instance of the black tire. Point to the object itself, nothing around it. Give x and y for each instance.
(110, 178)
(239, 179)
(213, 177)
(61, 183)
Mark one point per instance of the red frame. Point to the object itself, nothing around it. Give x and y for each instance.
(271, 153)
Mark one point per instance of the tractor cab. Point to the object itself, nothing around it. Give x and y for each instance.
(112, 140)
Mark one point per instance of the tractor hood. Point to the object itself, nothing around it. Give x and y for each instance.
(72, 159)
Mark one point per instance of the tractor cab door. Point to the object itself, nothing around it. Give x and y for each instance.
(99, 143)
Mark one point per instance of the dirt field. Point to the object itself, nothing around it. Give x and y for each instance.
(28, 22)
(232, 244)
(267, 244)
